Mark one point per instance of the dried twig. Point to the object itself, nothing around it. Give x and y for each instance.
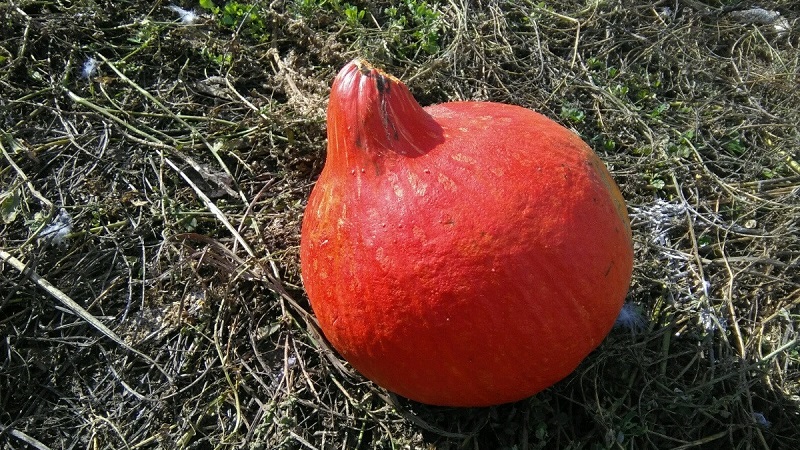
(24, 437)
(213, 208)
(193, 130)
(76, 308)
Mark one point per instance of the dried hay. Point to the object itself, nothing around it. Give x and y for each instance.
(168, 312)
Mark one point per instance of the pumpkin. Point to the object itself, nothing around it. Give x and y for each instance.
(462, 254)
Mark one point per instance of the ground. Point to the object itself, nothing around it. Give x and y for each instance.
(156, 160)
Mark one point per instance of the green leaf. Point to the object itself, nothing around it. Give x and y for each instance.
(9, 206)
(657, 183)
(207, 4)
(735, 147)
(572, 114)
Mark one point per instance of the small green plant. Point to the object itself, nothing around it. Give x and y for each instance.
(620, 90)
(9, 205)
(682, 148)
(220, 59)
(353, 15)
(423, 22)
(307, 7)
(411, 26)
(572, 114)
(247, 18)
(595, 64)
(36, 222)
(146, 32)
(735, 146)
(656, 183)
(659, 110)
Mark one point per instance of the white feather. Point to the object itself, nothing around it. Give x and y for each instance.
(56, 233)
(89, 67)
(631, 318)
(186, 15)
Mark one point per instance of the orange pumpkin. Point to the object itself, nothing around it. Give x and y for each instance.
(463, 254)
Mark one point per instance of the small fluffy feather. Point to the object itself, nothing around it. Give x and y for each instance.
(89, 68)
(186, 15)
(761, 420)
(631, 318)
(56, 233)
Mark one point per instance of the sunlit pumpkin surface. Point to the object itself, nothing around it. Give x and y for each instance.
(463, 254)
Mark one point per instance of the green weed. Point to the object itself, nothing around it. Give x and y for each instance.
(247, 19)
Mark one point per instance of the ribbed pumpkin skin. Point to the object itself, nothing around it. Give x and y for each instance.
(464, 254)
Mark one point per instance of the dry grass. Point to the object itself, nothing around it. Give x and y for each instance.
(171, 315)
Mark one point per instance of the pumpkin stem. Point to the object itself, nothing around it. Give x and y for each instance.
(374, 115)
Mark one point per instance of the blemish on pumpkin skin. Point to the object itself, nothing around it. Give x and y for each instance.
(393, 180)
(447, 183)
(497, 171)
(419, 234)
(460, 157)
(380, 256)
(341, 221)
(417, 185)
